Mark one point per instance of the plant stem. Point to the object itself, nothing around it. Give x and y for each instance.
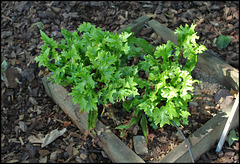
(118, 61)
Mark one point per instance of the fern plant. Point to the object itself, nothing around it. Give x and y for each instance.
(167, 90)
(94, 65)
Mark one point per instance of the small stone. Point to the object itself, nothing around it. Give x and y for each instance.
(154, 35)
(139, 143)
(22, 126)
(33, 100)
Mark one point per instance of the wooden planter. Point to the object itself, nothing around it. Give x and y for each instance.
(200, 141)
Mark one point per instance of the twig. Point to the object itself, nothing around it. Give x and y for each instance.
(7, 18)
(5, 7)
(21, 141)
(67, 161)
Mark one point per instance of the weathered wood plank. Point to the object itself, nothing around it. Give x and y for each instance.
(136, 26)
(116, 150)
(218, 69)
(164, 32)
(59, 95)
(203, 139)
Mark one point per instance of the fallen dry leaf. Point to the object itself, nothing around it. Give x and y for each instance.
(130, 144)
(52, 136)
(151, 136)
(151, 15)
(66, 123)
(33, 139)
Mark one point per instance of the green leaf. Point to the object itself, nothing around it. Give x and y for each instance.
(49, 41)
(125, 35)
(223, 41)
(169, 92)
(40, 25)
(171, 110)
(144, 126)
(160, 116)
(232, 137)
(133, 121)
(92, 119)
(109, 95)
(86, 27)
(66, 34)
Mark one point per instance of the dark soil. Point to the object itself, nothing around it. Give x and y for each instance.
(27, 111)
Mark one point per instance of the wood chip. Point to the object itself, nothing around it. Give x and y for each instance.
(83, 156)
(43, 159)
(75, 151)
(21, 141)
(44, 152)
(13, 161)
